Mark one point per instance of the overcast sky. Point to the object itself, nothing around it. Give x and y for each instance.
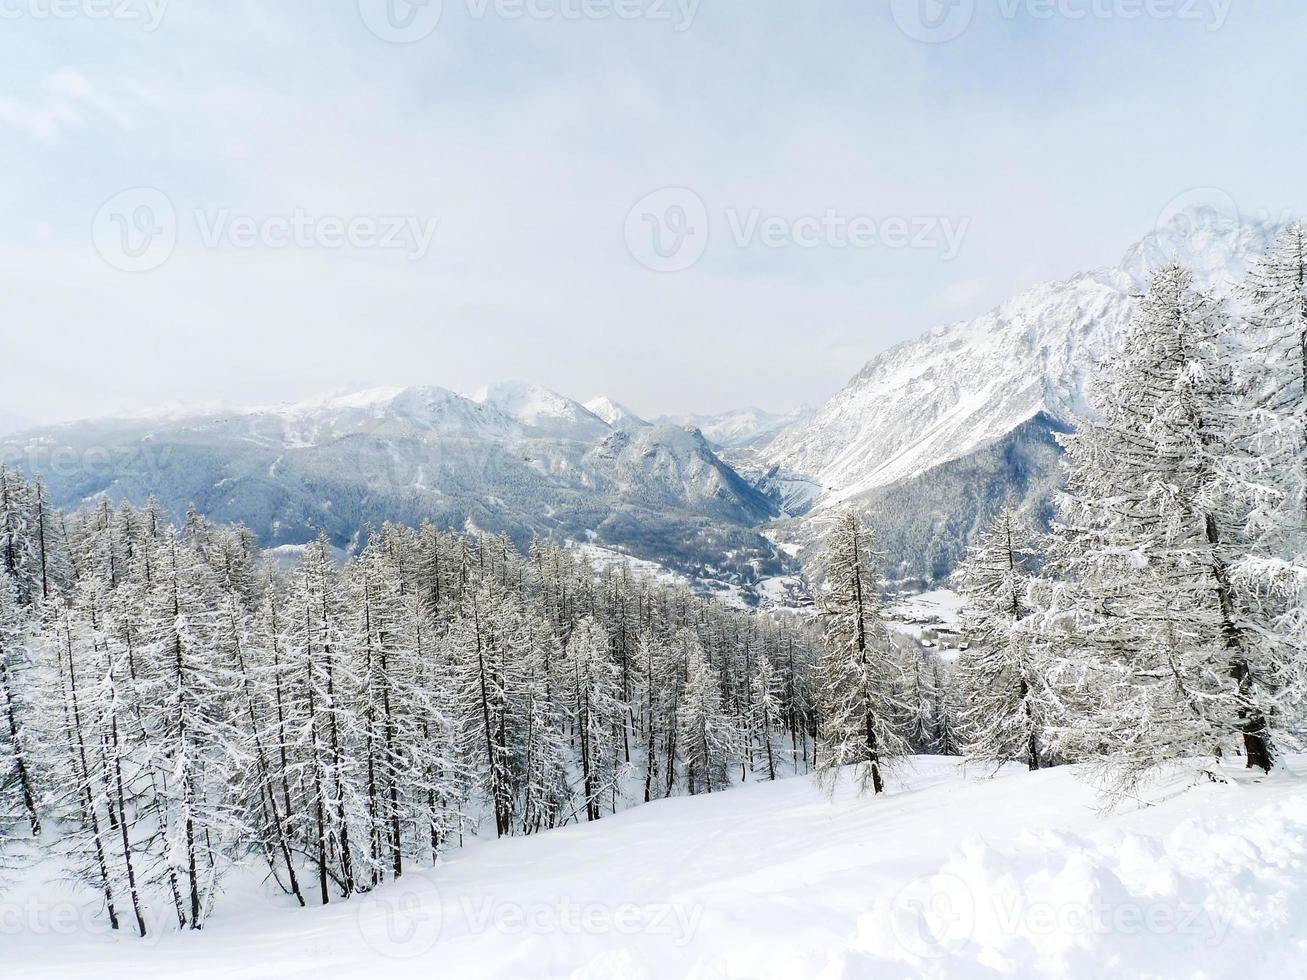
(222, 201)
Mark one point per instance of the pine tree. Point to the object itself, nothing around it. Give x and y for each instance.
(858, 675)
(918, 694)
(19, 789)
(1276, 360)
(546, 794)
(485, 637)
(1148, 531)
(1001, 675)
(947, 710)
(172, 708)
(1268, 465)
(190, 650)
(708, 736)
(322, 724)
(766, 685)
(594, 692)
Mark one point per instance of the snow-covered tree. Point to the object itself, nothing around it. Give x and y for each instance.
(1148, 531)
(593, 685)
(190, 652)
(708, 736)
(947, 710)
(766, 709)
(172, 706)
(19, 767)
(1001, 674)
(546, 792)
(485, 637)
(858, 674)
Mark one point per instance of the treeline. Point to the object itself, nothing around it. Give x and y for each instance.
(174, 704)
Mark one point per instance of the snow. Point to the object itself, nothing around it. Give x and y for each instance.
(932, 618)
(543, 409)
(965, 385)
(615, 413)
(942, 606)
(949, 875)
(739, 427)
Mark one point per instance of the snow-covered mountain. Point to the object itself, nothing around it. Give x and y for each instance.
(543, 412)
(516, 458)
(943, 395)
(615, 413)
(739, 428)
(935, 434)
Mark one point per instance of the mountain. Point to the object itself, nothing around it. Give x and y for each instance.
(542, 412)
(614, 413)
(513, 458)
(740, 428)
(962, 391)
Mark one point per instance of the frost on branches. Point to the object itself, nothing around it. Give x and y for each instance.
(1002, 673)
(859, 678)
(1168, 657)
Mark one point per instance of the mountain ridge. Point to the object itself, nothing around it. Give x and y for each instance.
(943, 394)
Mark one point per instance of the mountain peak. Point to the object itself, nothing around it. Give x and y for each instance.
(614, 413)
(941, 395)
(543, 410)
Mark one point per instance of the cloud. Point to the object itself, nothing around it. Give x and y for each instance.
(66, 100)
(531, 139)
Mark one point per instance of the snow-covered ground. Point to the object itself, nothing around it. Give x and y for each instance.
(946, 876)
(933, 619)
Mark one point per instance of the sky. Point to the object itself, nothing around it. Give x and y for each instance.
(687, 205)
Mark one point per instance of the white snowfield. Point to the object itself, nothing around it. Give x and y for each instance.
(945, 876)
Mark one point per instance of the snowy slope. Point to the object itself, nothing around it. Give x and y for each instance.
(941, 396)
(1013, 876)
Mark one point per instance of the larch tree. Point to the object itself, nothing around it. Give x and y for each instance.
(707, 734)
(1148, 531)
(858, 675)
(1001, 673)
